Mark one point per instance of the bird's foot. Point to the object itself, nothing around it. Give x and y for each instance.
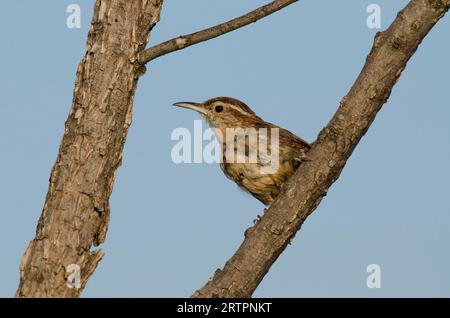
(258, 217)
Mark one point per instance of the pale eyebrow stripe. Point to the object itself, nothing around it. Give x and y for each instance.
(237, 108)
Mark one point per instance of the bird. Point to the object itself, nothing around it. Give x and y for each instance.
(233, 121)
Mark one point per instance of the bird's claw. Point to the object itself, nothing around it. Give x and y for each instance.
(258, 217)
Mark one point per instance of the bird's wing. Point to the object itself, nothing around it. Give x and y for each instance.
(286, 137)
(290, 137)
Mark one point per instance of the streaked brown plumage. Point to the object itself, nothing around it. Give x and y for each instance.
(225, 114)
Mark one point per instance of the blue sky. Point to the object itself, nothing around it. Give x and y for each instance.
(173, 225)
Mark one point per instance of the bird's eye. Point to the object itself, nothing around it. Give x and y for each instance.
(218, 109)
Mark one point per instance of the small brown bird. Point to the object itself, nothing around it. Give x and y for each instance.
(258, 171)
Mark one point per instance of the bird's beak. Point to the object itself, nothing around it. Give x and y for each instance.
(194, 106)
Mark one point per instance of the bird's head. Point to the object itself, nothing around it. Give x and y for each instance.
(223, 112)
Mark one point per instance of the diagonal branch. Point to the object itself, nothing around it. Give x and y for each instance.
(184, 41)
(266, 240)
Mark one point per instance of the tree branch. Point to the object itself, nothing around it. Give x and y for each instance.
(184, 41)
(266, 240)
(76, 211)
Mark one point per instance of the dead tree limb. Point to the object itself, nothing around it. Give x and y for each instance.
(266, 240)
(75, 216)
(76, 211)
(185, 41)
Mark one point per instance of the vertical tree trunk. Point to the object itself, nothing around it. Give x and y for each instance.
(76, 210)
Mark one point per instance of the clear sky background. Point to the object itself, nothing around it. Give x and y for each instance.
(173, 225)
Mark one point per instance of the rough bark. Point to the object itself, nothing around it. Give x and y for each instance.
(76, 211)
(266, 240)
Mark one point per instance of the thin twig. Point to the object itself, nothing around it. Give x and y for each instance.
(184, 41)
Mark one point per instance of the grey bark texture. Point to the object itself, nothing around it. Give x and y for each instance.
(266, 240)
(76, 212)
